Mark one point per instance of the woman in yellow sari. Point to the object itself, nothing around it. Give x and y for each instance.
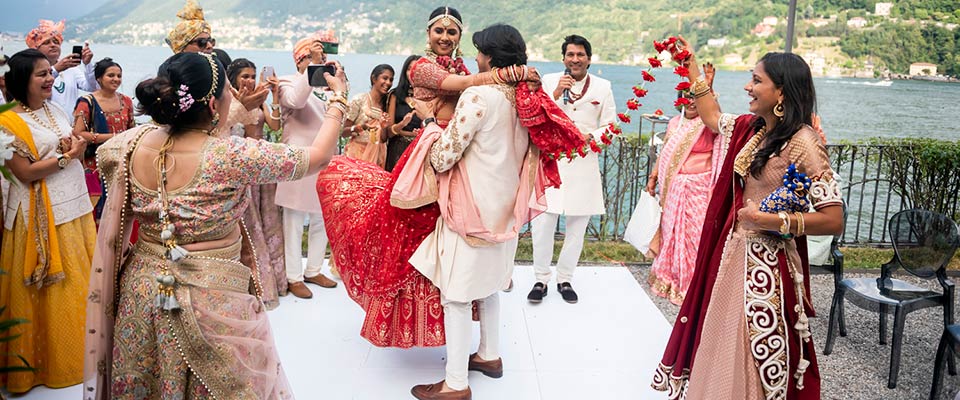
(48, 236)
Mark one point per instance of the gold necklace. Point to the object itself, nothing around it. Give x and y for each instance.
(742, 163)
(37, 119)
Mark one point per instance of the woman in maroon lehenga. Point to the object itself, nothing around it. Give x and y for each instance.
(373, 240)
(742, 331)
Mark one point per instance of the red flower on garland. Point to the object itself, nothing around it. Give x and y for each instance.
(615, 129)
(633, 104)
(570, 154)
(624, 117)
(682, 71)
(683, 101)
(682, 86)
(681, 56)
(654, 62)
(605, 139)
(659, 47)
(595, 147)
(658, 113)
(647, 77)
(581, 152)
(639, 91)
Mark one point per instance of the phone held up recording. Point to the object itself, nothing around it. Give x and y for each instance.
(315, 74)
(78, 51)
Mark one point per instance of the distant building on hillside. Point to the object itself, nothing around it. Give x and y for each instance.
(732, 59)
(921, 68)
(857, 22)
(883, 9)
(866, 72)
(772, 21)
(717, 42)
(763, 30)
(816, 62)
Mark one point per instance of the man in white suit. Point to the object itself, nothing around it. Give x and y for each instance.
(588, 101)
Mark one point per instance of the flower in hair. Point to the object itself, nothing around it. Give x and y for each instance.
(186, 99)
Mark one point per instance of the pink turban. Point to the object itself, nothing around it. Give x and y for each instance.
(43, 32)
(302, 49)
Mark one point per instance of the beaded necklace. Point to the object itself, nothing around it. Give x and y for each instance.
(46, 110)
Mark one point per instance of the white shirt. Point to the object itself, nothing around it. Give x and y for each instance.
(581, 190)
(67, 85)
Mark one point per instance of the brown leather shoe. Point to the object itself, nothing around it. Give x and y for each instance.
(432, 392)
(492, 368)
(321, 280)
(300, 290)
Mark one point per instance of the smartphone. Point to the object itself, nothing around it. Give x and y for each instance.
(315, 74)
(78, 50)
(267, 73)
(330, 48)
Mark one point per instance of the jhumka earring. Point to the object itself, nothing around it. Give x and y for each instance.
(215, 121)
(778, 110)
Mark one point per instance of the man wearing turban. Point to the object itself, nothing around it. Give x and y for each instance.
(69, 76)
(302, 109)
(192, 33)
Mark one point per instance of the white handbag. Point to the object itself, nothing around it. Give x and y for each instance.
(644, 223)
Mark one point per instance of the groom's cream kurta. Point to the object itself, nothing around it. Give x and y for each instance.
(486, 137)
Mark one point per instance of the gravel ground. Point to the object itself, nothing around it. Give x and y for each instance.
(858, 367)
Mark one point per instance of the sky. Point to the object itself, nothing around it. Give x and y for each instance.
(22, 15)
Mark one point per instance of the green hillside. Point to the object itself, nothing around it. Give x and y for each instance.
(621, 30)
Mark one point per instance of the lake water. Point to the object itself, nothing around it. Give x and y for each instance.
(851, 109)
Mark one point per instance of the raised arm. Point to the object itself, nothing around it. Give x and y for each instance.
(707, 105)
(295, 92)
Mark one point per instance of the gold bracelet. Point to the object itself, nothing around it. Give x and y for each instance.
(700, 87)
(393, 130)
(784, 223)
(801, 229)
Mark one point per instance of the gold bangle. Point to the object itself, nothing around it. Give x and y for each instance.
(700, 87)
(784, 223)
(801, 229)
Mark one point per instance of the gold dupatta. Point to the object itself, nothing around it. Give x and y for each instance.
(42, 262)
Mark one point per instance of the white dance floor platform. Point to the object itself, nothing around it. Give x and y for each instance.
(604, 347)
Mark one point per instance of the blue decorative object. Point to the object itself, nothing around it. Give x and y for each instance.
(792, 196)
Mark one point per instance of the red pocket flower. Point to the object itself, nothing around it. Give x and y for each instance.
(682, 71)
(681, 56)
(682, 86)
(595, 147)
(624, 117)
(659, 112)
(659, 47)
(683, 101)
(639, 91)
(654, 62)
(633, 104)
(647, 77)
(595, 102)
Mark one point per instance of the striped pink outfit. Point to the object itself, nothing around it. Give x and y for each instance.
(686, 174)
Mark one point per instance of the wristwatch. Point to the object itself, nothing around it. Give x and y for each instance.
(428, 121)
(63, 160)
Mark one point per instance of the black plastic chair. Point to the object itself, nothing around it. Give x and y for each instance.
(923, 243)
(950, 340)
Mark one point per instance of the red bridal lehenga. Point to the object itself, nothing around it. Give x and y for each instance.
(374, 240)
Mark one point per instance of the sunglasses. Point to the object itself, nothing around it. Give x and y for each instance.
(202, 42)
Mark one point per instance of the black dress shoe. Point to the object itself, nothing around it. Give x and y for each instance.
(538, 292)
(566, 291)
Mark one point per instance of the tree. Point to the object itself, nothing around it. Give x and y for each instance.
(808, 12)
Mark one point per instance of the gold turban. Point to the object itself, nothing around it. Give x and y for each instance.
(191, 25)
(43, 32)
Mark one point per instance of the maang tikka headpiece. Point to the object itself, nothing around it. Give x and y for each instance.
(445, 19)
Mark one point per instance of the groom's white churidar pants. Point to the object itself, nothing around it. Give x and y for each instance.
(542, 230)
(458, 323)
(293, 240)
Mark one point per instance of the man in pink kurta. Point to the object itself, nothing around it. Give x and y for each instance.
(302, 109)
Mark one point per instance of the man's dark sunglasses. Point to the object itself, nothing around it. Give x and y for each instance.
(202, 42)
